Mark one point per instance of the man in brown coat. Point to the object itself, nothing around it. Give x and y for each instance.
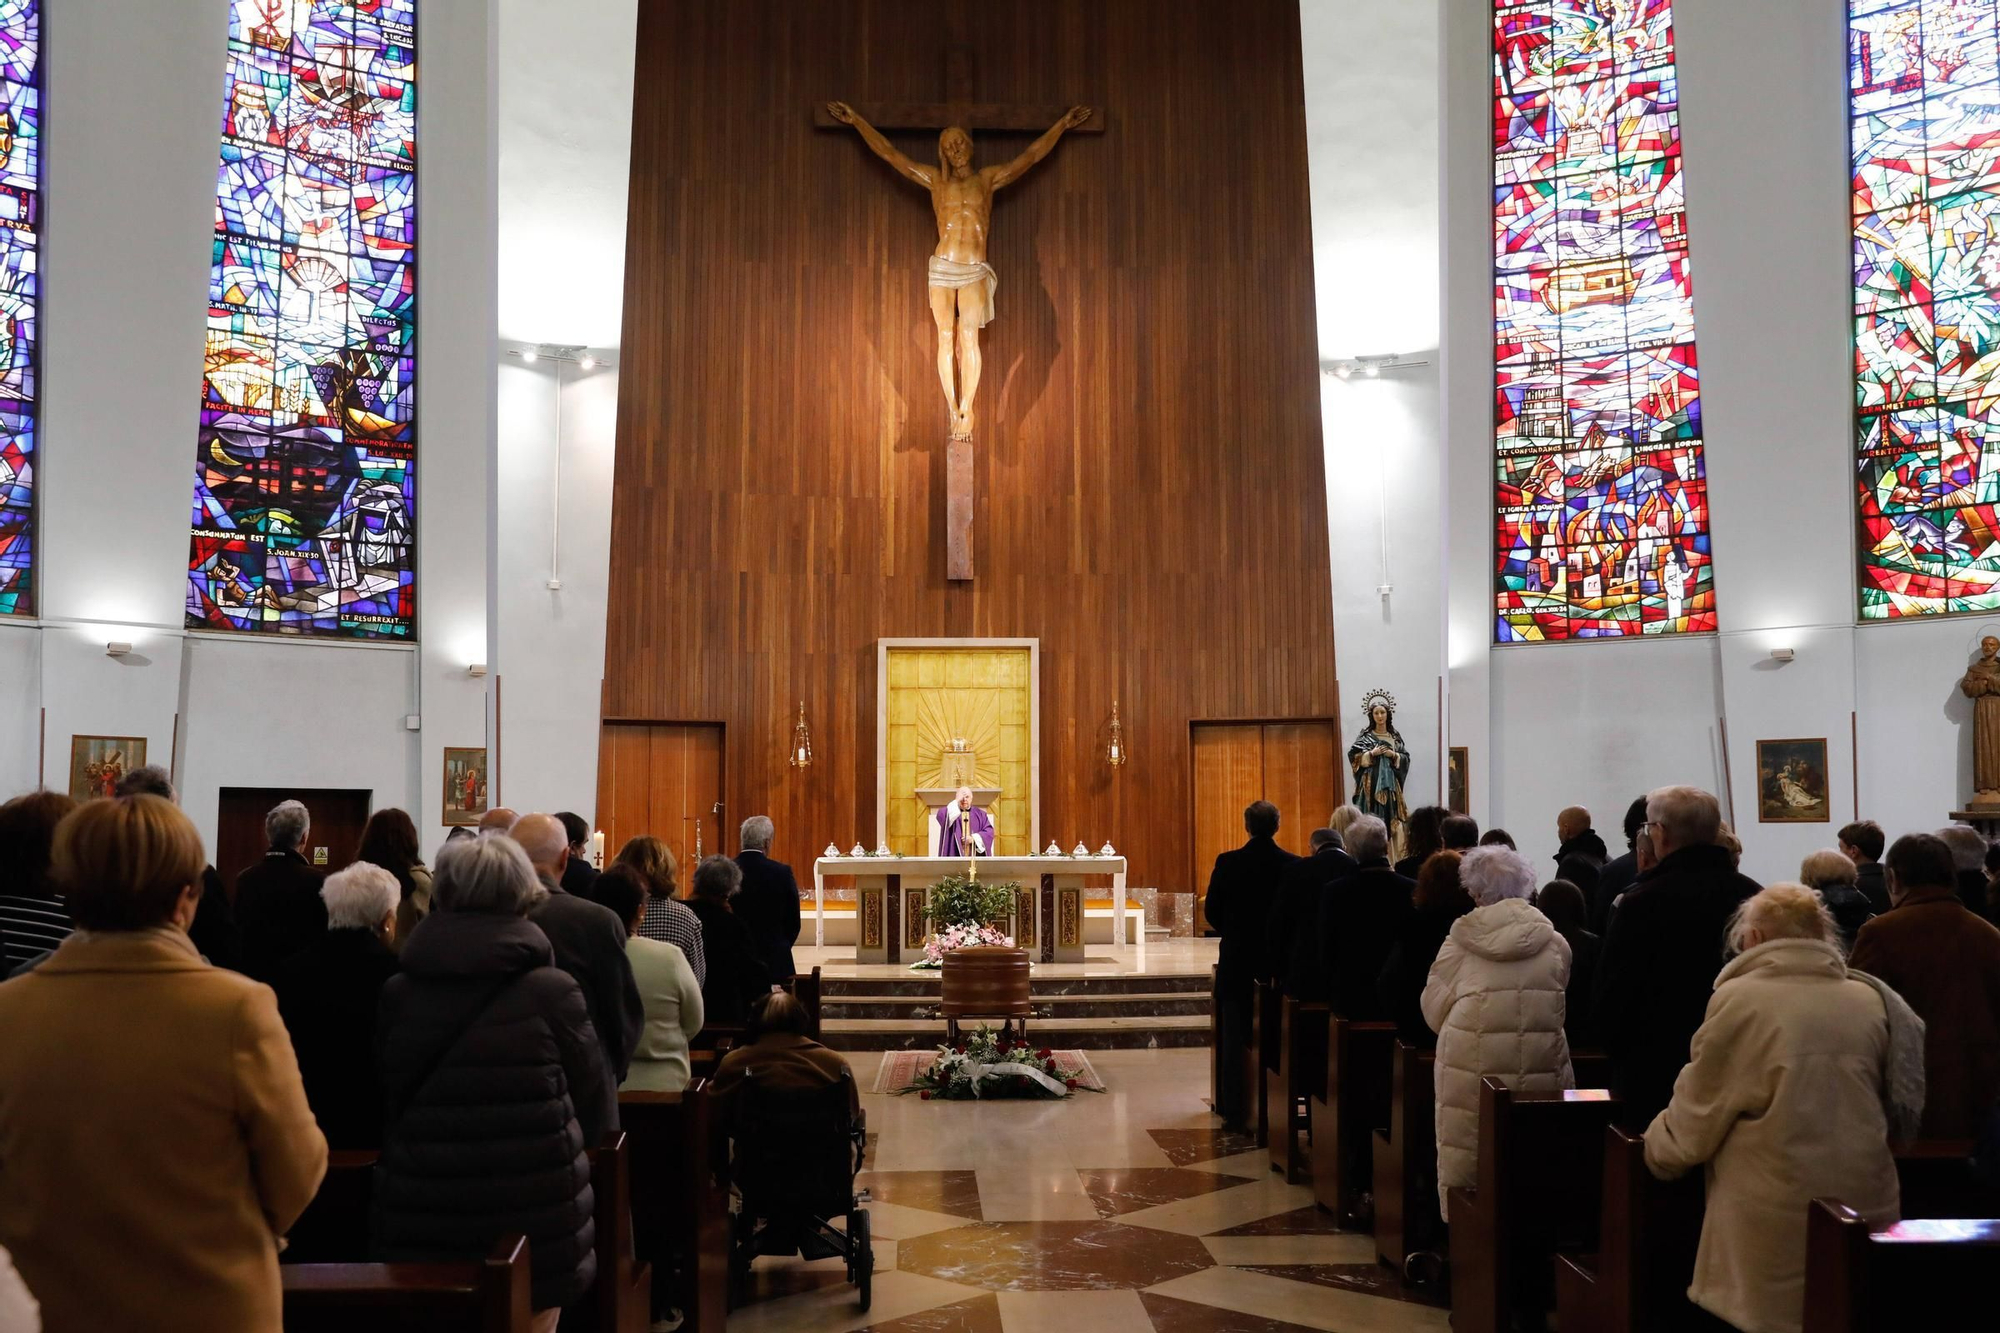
(1946, 963)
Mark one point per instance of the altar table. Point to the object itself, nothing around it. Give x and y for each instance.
(889, 894)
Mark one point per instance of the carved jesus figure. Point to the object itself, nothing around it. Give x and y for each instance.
(961, 281)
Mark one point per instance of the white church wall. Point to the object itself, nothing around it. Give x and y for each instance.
(132, 94)
(1371, 154)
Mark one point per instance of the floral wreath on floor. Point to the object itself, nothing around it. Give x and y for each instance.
(987, 1065)
(958, 910)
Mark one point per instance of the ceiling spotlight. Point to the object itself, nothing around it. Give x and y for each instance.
(529, 355)
(117, 649)
(1372, 371)
(588, 361)
(1344, 371)
(1783, 654)
(477, 669)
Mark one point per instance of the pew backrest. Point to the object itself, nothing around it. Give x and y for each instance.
(1915, 1274)
(490, 1296)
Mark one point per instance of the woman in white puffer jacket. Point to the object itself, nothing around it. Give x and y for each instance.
(1495, 999)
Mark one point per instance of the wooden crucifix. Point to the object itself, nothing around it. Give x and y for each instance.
(961, 281)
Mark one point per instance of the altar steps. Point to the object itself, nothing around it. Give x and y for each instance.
(1133, 1012)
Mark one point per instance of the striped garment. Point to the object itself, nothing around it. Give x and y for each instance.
(675, 922)
(31, 927)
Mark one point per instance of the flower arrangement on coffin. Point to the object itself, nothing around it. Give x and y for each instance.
(960, 912)
(986, 1065)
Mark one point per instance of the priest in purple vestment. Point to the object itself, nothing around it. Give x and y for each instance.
(963, 828)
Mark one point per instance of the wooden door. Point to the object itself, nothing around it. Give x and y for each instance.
(1290, 764)
(665, 779)
(338, 816)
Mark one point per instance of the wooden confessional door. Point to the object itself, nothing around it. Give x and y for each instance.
(1290, 764)
(663, 778)
(338, 816)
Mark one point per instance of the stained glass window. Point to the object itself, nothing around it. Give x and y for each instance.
(1600, 489)
(305, 477)
(20, 295)
(1924, 98)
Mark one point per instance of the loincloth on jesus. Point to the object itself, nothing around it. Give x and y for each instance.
(952, 273)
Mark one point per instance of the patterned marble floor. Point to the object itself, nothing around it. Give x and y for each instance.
(1129, 1212)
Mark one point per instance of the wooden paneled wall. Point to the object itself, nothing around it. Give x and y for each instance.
(1151, 503)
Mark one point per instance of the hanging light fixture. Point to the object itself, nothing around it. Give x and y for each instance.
(802, 741)
(1115, 753)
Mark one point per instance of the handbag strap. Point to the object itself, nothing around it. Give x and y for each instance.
(445, 1050)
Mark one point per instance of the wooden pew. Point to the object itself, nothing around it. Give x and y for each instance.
(1637, 1280)
(680, 1206)
(621, 1299)
(334, 1226)
(1913, 1275)
(1352, 1101)
(1541, 1166)
(1649, 1230)
(1405, 1166)
(1291, 1087)
(492, 1296)
(1266, 1029)
(1214, 1038)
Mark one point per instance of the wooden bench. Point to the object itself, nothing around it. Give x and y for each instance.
(1407, 1223)
(806, 990)
(1351, 1102)
(1924, 1274)
(1299, 1078)
(334, 1228)
(680, 1207)
(491, 1296)
(1541, 1168)
(1261, 1059)
(1647, 1230)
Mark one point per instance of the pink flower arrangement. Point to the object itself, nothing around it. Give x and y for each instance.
(959, 937)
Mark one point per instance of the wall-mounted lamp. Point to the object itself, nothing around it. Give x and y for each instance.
(1115, 753)
(1370, 367)
(1782, 654)
(563, 354)
(801, 755)
(117, 649)
(476, 670)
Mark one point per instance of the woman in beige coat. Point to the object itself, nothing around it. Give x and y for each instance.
(155, 1139)
(1796, 1072)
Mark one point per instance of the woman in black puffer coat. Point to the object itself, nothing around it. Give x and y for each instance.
(495, 1084)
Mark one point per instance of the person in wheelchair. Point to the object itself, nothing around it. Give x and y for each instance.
(797, 1139)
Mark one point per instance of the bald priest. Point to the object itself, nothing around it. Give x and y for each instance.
(963, 828)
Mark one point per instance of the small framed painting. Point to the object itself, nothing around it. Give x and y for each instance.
(96, 763)
(1458, 781)
(1791, 782)
(464, 784)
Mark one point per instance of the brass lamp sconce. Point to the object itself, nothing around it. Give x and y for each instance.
(1115, 753)
(801, 755)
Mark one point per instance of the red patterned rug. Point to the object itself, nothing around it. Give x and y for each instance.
(900, 1069)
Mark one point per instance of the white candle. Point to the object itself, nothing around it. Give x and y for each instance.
(597, 849)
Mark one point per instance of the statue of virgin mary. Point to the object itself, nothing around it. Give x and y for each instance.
(1381, 764)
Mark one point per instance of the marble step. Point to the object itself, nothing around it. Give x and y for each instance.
(1096, 1004)
(1082, 1034)
(929, 983)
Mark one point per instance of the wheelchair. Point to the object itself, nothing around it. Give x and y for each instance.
(794, 1158)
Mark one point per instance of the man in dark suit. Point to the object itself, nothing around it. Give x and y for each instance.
(768, 902)
(1658, 967)
(1293, 930)
(1241, 890)
(1360, 921)
(589, 942)
(278, 908)
(1619, 872)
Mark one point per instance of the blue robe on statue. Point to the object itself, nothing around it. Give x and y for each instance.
(978, 831)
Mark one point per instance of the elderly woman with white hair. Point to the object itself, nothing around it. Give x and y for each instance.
(1495, 999)
(328, 993)
(495, 1084)
(1802, 1073)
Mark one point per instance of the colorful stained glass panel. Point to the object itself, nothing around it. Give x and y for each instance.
(20, 296)
(304, 516)
(1599, 482)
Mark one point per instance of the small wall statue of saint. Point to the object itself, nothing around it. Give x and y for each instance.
(1981, 684)
(1381, 764)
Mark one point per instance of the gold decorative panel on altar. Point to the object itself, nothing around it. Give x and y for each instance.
(958, 712)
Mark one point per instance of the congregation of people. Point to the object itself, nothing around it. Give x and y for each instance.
(1783, 1039)
(180, 1059)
